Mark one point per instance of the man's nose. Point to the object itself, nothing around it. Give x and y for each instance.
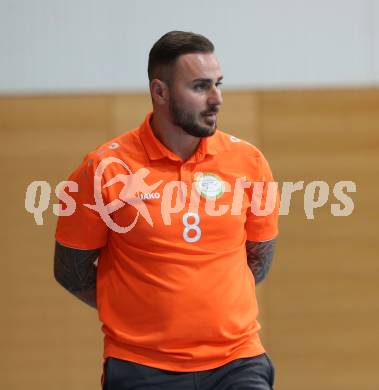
(215, 96)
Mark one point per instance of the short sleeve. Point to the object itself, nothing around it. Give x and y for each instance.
(84, 228)
(263, 226)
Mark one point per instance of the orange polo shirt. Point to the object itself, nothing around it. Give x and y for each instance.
(174, 290)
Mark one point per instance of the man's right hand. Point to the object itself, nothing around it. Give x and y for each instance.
(75, 270)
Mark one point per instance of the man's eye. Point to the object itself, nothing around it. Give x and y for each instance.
(200, 87)
(205, 86)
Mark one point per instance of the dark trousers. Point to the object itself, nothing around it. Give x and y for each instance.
(256, 373)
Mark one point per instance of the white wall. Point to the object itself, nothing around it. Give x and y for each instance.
(375, 32)
(98, 45)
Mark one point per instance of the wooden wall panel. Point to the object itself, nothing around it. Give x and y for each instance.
(319, 306)
(322, 297)
(239, 115)
(129, 111)
(49, 340)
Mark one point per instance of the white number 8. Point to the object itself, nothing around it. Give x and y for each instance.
(191, 226)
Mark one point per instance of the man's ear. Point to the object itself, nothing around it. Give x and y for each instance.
(159, 91)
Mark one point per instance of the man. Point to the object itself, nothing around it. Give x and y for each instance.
(166, 210)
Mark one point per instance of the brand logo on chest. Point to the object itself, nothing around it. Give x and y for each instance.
(150, 195)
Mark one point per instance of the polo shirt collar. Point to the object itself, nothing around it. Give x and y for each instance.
(156, 150)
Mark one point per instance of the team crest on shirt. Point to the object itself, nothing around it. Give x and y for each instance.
(209, 185)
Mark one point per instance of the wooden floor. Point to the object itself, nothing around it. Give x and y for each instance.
(319, 307)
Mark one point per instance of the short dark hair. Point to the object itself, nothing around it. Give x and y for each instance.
(170, 46)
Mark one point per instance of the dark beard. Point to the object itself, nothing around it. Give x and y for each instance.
(188, 123)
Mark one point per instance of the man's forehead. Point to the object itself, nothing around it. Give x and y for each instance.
(198, 65)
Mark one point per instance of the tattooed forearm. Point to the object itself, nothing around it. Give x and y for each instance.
(259, 258)
(75, 270)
